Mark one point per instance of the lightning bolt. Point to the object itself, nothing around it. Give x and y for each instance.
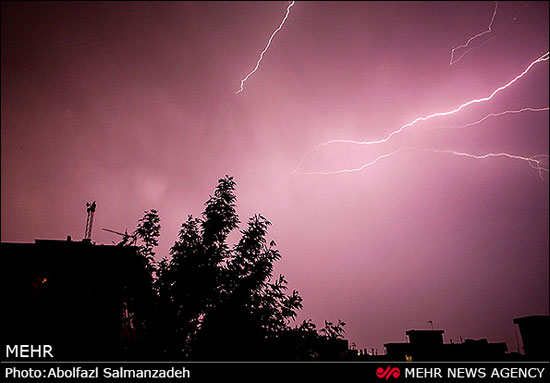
(489, 30)
(535, 161)
(542, 58)
(266, 48)
(494, 115)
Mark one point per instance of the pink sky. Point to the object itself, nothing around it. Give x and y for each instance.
(133, 105)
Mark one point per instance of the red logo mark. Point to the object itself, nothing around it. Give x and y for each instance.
(388, 372)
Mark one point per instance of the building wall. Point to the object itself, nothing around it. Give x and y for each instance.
(66, 294)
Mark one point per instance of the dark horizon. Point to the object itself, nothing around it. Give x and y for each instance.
(133, 105)
(39, 279)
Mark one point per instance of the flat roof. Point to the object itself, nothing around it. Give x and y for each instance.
(424, 331)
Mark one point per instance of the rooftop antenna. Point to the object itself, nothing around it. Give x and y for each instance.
(431, 323)
(90, 208)
(125, 236)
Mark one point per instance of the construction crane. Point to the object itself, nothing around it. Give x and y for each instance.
(90, 208)
(125, 237)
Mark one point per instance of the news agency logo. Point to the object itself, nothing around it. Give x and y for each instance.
(389, 372)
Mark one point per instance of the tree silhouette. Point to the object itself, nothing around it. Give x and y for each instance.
(213, 301)
(252, 305)
(148, 232)
(213, 287)
(140, 297)
(333, 331)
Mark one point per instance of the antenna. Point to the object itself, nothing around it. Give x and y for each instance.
(125, 236)
(90, 208)
(431, 323)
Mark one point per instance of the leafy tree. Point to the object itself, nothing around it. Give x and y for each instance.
(164, 325)
(220, 216)
(193, 277)
(214, 287)
(148, 232)
(305, 338)
(212, 300)
(140, 299)
(252, 304)
(333, 331)
(189, 280)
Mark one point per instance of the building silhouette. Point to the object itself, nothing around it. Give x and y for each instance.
(535, 336)
(428, 345)
(68, 294)
(74, 296)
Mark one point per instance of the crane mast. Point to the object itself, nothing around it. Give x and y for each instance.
(90, 208)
